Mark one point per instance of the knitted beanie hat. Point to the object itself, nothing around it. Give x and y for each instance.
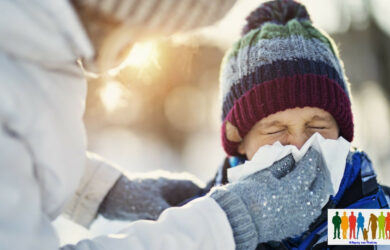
(281, 61)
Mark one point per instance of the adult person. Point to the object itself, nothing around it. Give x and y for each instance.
(336, 220)
(373, 221)
(352, 226)
(387, 227)
(381, 226)
(360, 223)
(344, 224)
(42, 137)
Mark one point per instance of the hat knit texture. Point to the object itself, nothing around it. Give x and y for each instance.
(282, 61)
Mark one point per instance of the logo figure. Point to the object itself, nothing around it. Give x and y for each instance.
(352, 226)
(373, 221)
(388, 226)
(344, 224)
(336, 220)
(360, 224)
(365, 234)
(381, 225)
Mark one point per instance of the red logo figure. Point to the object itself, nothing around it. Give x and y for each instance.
(387, 227)
(352, 226)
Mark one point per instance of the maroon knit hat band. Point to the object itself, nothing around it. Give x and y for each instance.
(309, 90)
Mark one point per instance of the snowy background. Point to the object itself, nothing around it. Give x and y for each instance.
(163, 110)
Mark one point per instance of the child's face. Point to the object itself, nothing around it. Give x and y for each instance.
(290, 127)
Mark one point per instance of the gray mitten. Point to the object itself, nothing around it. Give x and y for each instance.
(277, 202)
(145, 196)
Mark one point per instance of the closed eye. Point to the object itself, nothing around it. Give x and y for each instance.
(317, 127)
(275, 132)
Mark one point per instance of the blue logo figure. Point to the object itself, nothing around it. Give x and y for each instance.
(360, 223)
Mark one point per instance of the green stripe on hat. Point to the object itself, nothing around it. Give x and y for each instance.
(271, 31)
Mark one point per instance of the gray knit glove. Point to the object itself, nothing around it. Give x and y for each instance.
(146, 196)
(277, 202)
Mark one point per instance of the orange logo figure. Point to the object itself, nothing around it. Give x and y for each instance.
(352, 226)
(373, 221)
(387, 226)
(344, 225)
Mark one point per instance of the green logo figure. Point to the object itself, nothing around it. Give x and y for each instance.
(336, 220)
(381, 225)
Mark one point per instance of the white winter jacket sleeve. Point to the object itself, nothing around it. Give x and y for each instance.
(98, 178)
(201, 224)
(24, 224)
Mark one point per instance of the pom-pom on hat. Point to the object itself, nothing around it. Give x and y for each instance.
(281, 61)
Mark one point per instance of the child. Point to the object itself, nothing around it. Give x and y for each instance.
(365, 234)
(284, 81)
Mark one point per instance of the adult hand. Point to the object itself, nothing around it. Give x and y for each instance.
(146, 196)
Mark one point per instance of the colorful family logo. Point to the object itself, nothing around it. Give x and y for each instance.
(380, 223)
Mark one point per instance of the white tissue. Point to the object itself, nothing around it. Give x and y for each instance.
(334, 153)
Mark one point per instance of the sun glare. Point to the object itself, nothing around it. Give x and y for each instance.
(142, 55)
(111, 95)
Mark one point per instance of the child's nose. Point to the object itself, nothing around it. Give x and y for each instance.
(297, 140)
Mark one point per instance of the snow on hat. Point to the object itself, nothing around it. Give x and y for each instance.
(281, 61)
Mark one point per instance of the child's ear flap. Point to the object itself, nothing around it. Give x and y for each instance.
(232, 132)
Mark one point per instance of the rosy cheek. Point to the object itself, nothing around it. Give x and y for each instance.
(271, 139)
(260, 142)
(332, 135)
(329, 134)
(252, 148)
